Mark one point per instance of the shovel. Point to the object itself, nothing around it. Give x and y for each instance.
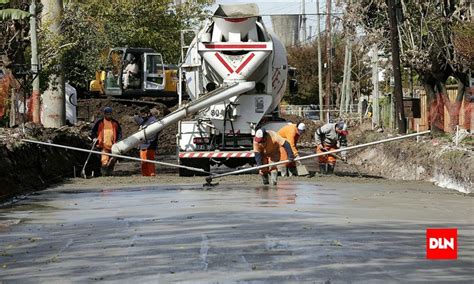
(83, 172)
(301, 169)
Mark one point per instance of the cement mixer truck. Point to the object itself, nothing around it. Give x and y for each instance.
(235, 72)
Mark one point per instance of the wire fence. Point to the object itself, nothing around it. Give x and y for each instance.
(312, 112)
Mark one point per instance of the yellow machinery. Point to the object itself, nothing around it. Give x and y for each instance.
(151, 78)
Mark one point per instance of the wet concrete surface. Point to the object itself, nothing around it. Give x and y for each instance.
(304, 229)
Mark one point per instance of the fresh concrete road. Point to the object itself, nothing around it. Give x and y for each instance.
(301, 230)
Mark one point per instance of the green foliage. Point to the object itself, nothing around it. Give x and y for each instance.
(13, 14)
(90, 28)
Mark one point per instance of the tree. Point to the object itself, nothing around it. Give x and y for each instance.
(427, 33)
(91, 28)
(305, 60)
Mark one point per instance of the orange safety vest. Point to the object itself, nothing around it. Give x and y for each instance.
(290, 133)
(101, 130)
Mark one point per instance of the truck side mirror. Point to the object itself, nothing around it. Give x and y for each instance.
(293, 84)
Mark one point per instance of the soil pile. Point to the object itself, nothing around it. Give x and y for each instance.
(90, 110)
(30, 167)
(430, 159)
(307, 139)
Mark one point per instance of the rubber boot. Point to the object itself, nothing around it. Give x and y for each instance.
(265, 179)
(283, 170)
(323, 169)
(104, 171)
(274, 177)
(330, 169)
(292, 172)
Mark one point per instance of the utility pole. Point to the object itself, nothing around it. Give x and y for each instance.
(320, 72)
(348, 93)
(375, 83)
(54, 98)
(35, 95)
(343, 88)
(329, 58)
(303, 20)
(398, 95)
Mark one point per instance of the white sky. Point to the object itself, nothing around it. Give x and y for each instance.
(286, 7)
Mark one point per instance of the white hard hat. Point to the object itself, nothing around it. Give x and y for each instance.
(301, 126)
(259, 135)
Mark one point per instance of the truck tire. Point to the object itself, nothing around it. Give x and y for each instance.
(195, 163)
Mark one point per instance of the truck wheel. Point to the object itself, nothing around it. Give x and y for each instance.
(195, 163)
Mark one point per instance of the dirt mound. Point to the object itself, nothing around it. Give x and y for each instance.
(307, 139)
(430, 159)
(30, 167)
(90, 110)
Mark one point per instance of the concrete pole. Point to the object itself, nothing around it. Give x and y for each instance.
(328, 58)
(348, 92)
(53, 97)
(344, 76)
(320, 64)
(303, 18)
(375, 83)
(35, 95)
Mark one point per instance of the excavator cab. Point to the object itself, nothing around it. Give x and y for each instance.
(134, 72)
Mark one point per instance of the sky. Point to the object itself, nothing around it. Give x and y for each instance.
(279, 7)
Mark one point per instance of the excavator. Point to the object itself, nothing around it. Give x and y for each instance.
(151, 77)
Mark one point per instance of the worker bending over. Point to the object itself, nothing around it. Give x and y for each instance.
(266, 147)
(107, 131)
(291, 133)
(330, 137)
(148, 147)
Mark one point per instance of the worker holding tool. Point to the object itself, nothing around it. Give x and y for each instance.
(291, 133)
(148, 147)
(330, 136)
(108, 132)
(266, 147)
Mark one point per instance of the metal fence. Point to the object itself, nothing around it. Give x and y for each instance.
(312, 112)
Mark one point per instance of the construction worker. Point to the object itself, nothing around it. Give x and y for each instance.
(266, 147)
(131, 70)
(330, 137)
(147, 148)
(107, 131)
(291, 133)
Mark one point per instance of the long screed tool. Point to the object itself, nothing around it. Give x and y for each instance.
(115, 155)
(212, 177)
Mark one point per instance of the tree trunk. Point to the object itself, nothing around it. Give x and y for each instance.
(35, 95)
(53, 97)
(398, 95)
(436, 114)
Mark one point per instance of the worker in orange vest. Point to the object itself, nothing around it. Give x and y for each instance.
(107, 131)
(266, 148)
(291, 133)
